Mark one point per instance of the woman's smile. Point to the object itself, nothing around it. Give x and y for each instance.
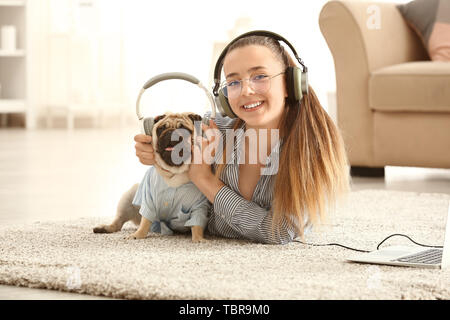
(252, 106)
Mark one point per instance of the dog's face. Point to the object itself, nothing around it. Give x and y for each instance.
(172, 137)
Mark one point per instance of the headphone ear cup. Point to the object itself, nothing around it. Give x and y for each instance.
(147, 125)
(290, 84)
(224, 106)
(297, 83)
(305, 83)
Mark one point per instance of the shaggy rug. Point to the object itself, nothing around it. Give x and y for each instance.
(68, 256)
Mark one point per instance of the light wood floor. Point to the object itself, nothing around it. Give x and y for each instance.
(58, 174)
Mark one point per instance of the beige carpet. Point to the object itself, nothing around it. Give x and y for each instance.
(68, 256)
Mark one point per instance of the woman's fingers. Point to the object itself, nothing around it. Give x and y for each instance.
(143, 138)
(145, 155)
(214, 136)
(196, 150)
(143, 144)
(204, 151)
(143, 147)
(210, 131)
(213, 124)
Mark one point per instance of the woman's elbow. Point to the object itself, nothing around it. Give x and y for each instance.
(280, 239)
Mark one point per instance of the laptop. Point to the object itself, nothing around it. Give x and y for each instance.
(409, 256)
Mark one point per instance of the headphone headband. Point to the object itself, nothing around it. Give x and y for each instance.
(219, 64)
(171, 76)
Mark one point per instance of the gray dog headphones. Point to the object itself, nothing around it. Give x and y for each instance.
(147, 123)
(296, 78)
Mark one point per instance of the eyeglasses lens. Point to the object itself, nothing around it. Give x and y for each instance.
(258, 85)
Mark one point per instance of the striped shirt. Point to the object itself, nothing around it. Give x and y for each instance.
(233, 216)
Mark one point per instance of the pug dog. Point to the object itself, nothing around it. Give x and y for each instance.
(166, 200)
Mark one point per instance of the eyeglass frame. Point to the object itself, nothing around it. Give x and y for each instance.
(269, 78)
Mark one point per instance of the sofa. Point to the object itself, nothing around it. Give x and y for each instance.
(393, 103)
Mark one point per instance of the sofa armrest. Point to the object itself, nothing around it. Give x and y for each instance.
(359, 48)
(347, 25)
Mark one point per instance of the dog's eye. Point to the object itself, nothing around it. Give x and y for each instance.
(160, 130)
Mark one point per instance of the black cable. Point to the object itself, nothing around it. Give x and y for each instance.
(331, 244)
(359, 250)
(402, 235)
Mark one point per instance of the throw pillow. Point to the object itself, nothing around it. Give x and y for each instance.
(431, 21)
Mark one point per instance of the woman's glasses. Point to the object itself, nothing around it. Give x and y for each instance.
(259, 83)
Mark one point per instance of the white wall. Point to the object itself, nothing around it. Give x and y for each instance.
(117, 45)
(179, 36)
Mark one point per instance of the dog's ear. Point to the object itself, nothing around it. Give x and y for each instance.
(194, 117)
(157, 118)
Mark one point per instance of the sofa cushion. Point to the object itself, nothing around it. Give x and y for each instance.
(430, 19)
(414, 86)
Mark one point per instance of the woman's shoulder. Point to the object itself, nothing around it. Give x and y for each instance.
(222, 122)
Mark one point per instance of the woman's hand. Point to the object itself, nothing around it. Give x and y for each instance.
(144, 149)
(203, 152)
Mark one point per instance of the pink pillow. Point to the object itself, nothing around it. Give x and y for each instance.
(430, 19)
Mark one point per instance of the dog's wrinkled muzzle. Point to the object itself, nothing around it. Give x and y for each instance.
(174, 147)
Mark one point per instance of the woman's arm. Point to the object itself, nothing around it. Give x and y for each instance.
(245, 217)
(209, 186)
(249, 219)
(200, 171)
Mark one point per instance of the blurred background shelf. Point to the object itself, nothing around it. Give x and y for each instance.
(12, 105)
(12, 3)
(14, 71)
(16, 53)
(8, 106)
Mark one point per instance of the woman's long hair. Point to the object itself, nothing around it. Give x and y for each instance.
(313, 170)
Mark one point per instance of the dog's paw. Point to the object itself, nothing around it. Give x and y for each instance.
(199, 240)
(136, 236)
(100, 229)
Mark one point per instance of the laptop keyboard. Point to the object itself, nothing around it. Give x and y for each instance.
(431, 256)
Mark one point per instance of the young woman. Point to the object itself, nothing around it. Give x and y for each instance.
(311, 169)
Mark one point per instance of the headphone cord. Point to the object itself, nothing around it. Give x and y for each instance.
(359, 250)
(330, 244)
(403, 235)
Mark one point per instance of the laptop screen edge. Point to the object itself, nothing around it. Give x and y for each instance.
(446, 250)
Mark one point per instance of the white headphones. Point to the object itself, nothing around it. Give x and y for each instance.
(146, 124)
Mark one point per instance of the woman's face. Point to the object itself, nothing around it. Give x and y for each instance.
(248, 62)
